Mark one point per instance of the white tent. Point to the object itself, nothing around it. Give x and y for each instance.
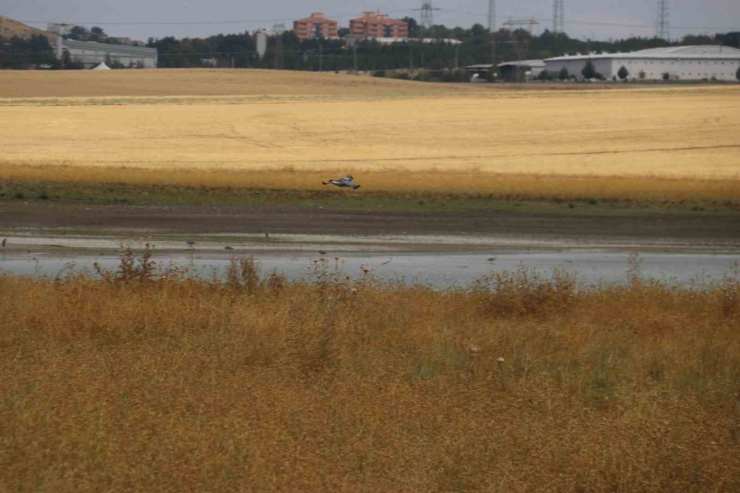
(102, 66)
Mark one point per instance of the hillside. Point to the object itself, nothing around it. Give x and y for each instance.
(10, 28)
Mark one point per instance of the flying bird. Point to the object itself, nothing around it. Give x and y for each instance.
(343, 182)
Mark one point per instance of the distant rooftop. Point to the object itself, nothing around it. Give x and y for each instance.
(316, 17)
(524, 63)
(377, 17)
(691, 50)
(696, 51)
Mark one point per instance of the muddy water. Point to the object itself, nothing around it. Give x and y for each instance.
(439, 270)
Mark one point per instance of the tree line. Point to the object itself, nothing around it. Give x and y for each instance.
(19, 53)
(285, 51)
(478, 46)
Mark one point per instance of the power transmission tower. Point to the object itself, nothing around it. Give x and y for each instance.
(512, 24)
(558, 17)
(661, 23)
(491, 15)
(492, 31)
(427, 20)
(520, 44)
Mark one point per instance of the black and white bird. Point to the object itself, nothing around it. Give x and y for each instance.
(343, 182)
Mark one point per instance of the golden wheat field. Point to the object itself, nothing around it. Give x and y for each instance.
(338, 123)
(141, 383)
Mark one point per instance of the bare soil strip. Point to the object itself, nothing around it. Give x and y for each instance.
(690, 228)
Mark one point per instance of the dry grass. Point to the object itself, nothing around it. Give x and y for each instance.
(178, 384)
(326, 122)
(92, 182)
(207, 82)
(10, 28)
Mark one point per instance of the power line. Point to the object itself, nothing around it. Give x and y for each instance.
(604, 24)
(286, 19)
(190, 23)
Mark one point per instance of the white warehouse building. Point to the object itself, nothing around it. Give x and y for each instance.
(679, 62)
(92, 54)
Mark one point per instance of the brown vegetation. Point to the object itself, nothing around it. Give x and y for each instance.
(289, 185)
(10, 28)
(142, 382)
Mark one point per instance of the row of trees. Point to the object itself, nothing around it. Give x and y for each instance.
(95, 34)
(20, 53)
(478, 45)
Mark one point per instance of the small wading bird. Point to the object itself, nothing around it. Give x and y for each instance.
(343, 182)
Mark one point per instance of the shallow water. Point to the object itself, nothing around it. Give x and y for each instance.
(439, 270)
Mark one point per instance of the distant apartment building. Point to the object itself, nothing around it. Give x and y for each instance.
(316, 26)
(377, 25)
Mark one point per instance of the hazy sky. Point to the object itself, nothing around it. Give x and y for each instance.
(140, 19)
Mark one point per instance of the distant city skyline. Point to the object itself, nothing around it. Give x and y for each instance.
(139, 19)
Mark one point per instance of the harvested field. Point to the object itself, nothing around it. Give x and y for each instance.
(331, 123)
(204, 82)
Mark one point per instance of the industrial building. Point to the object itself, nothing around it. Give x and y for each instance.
(521, 71)
(679, 62)
(377, 25)
(93, 54)
(316, 26)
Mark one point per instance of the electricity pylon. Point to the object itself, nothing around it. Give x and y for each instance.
(427, 20)
(661, 23)
(558, 17)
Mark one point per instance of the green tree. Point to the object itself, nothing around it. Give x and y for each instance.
(544, 75)
(78, 33)
(479, 33)
(564, 74)
(589, 71)
(68, 63)
(413, 27)
(97, 34)
(666, 76)
(729, 39)
(623, 73)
